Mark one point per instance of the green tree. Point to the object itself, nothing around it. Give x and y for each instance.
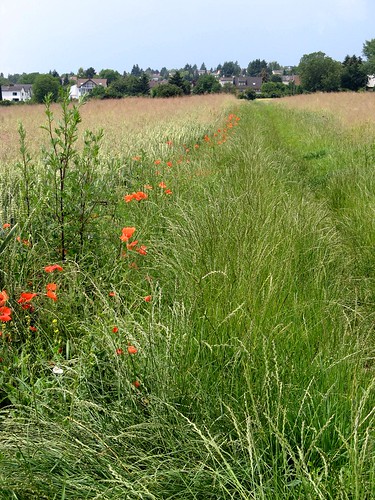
(354, 76)
(136, 70)
(318, 72)
(110, 75)
(274, 89)
(230, 68)
(89, 72)
(44, 85)
(207, 84)
(166, 90)
(143, 84)
(369, 52)
(176, 79)
(27, 78)
(255, 67)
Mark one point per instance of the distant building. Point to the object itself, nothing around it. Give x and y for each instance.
(18, 92)
(370, 83)
(84, 86)
(243, 82)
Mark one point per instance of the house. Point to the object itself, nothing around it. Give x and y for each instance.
(243, 82)
(370, 83)
(287, 79)
(248, 82)
(17, 92)
(85, 85)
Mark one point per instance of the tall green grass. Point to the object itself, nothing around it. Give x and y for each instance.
(255, 354)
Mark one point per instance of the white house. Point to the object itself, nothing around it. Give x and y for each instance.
(85, 85)
(371, 82)
(16, 92)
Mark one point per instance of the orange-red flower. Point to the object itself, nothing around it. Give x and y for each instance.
(157, 162)
(54, 267)
(127, 233)
(26, 297)
(147, 298)
(168, 191)
(115, 329)
(3, 298)
(112, 294)
(169, 163)
(51, 295)
(162, 185)
(52, 287)
(119, 351)
(128, 198)
(142, 250)
(131, 245)
(5, 314)
(132, 349)
(6, 225)
(140, 195)
(33, 328)
(136, 383)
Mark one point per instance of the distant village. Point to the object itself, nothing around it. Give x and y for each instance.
(259, 79)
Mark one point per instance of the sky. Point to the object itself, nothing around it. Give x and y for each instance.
(42, 35)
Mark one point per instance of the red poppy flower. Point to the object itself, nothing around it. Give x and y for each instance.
(115, 329)
(51, 295)
(169, 163)
(26, 297)
(3, 298)
(5, 310)
(52, 287)
(112, 294)
(54, 267)
(147, 298)
(33, 328)
(127, 232)
(136, 383)
(128, 198)
(119, 351)
(162, 185)
(132, 349)
(131, 245)
(6, 225)
(157, 162)
(142, 250)
(140, 195)
(5, 317)
(168, 191)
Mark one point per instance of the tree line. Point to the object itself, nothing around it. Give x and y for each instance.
(317, 72)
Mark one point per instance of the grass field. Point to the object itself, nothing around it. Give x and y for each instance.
(211, 332)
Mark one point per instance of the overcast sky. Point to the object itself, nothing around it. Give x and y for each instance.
(42, 35)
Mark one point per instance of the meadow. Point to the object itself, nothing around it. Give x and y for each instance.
(187, 299)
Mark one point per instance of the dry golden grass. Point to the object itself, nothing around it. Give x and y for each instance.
(129, 124)
(350, 108)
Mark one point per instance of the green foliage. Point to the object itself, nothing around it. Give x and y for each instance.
(167, 90)
(110, 75)
(369, 53)
(354, 75)
(319, 72)
(248, 94)
(255, 67)
(207, 84)
(177, 80)
(230, 68)
(43, 86)
(274, 89)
